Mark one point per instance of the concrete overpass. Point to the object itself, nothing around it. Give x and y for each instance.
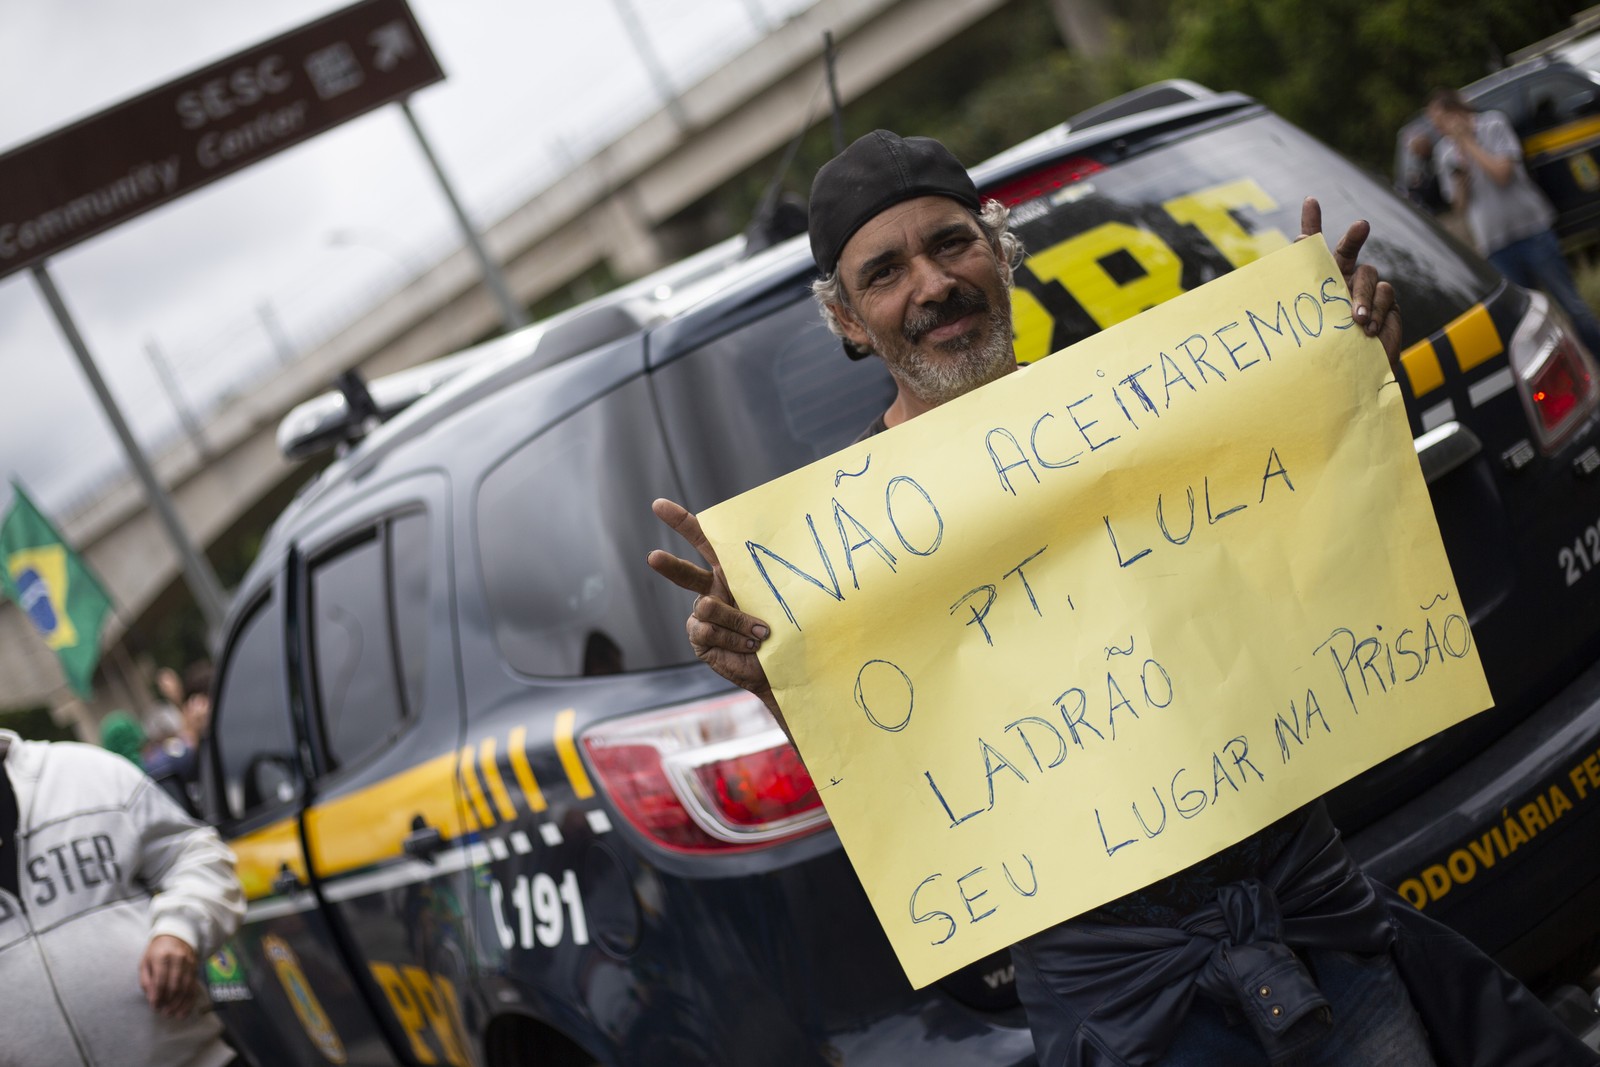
(608, 209)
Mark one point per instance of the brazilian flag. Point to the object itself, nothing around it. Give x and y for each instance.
(54, 588)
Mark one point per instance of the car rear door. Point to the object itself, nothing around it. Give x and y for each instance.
(281, 985)
(385, 826)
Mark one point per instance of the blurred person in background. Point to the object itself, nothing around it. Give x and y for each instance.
(110, 895)
(1420, 179)
(121, 733)
(1479, 163)
(178, 756)
(170, 685)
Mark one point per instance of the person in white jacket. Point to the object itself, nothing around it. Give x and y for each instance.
(110, 895)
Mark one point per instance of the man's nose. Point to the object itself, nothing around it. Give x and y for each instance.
(930, 282)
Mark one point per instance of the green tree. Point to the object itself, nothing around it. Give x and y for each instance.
(1351, 73)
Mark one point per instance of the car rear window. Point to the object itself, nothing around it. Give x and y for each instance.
(1124, 238)
(563, 528)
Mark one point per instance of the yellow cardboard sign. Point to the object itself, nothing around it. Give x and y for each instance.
(1081, 628)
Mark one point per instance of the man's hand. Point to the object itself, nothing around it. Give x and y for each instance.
(1372, 301)
(723, 637)
(168, 974)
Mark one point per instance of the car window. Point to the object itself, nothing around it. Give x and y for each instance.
(1507, 99)
(563, 525)
(408, 592)
(358, 595)
(1555, 98)
(784, 394)
(250, 725)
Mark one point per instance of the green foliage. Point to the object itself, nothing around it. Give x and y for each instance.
(1002, 80)
(1350, 73)
(35, 724)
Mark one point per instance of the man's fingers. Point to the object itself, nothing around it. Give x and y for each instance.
(147, 979)
(1389, 323)
(1382, 304)
(1348, 250)
(166, 981)
(682, 520)
(680, 572)
(1310, 217)
(1363, 292)
(716, 623)
(705, 636)
(723, 637)
(719, 612)
(166, 976)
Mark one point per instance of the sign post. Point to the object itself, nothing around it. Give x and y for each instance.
(203, 584)
(510, 311)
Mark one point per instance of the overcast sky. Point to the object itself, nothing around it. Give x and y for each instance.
(315, 232)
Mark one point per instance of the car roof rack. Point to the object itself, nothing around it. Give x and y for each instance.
(1145, 98)
(330, 421)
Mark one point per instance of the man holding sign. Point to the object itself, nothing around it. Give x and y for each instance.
(1255, 941)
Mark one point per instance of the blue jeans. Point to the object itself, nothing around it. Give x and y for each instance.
(1373, 1023)
(1536, 263)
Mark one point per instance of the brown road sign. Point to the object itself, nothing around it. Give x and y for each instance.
(104, 170)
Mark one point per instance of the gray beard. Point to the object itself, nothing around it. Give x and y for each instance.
(936, 381)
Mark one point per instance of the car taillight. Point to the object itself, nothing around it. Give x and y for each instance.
(1560, 387)
(712, 776)
(1555, 374)
(1042, 182)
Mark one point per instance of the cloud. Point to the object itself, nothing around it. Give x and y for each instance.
(528, 87)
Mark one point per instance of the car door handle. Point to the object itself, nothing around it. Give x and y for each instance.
(285, 881)
(423, 840)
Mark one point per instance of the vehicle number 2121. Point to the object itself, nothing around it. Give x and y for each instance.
(1582, 556)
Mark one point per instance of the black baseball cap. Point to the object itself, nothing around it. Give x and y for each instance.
(877, 172)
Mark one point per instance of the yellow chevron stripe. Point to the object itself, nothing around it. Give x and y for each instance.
(569, 755)
(497, 785)
(367, 827)
(518, 748)
(1474, 337)
(1422, 368)
(469, 780)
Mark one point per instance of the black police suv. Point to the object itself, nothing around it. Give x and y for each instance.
(490, 811)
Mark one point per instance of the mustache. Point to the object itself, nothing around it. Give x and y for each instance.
(962, 302)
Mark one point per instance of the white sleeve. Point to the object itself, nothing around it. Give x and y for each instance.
(197, 896)
(1497, 137)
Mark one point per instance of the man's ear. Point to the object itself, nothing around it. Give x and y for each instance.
(851, 327)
